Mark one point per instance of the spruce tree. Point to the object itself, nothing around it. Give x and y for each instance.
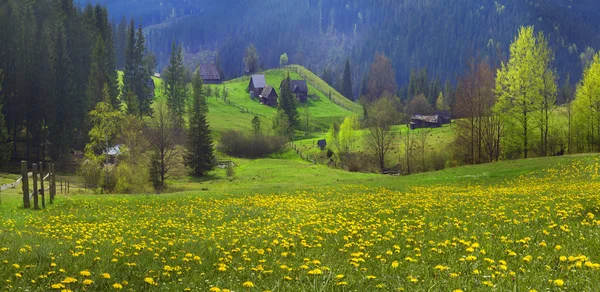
(141, 76)
(347, 82)
(199, 156)
(288, 105)
(129, 59)
(176, 87)
(5, 147)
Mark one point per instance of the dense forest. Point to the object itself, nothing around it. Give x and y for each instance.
(321, 34)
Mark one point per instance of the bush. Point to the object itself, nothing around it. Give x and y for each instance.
(359, 162)
(236, 144)
(132, 179)
(91, 173)
(437, 160)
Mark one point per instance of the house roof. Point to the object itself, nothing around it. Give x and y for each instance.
(444, 114)
(209, 72)
(428, 119)
(259, 81)
(297, 85)
(113, 151)
(266, 93)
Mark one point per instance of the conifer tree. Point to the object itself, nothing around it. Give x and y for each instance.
(176, 87)
(288, 105)
(141, 76)
(347, 82)
(199, 156)
(5, 147)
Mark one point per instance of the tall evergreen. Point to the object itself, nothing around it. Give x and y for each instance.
(288, 105)
(199, 156)
(176, 87)
(347, 82)
(120, 41)
(141, 77)
(4, 142)
(129, 59)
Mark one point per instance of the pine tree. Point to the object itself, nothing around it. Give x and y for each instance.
(5, 146)
(255, 125)
(347, 83)
(176, 88)
(129, 59)
(199, 156)
(141, 76)
(288, 105)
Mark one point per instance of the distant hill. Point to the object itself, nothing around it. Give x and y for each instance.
(238, 110)
(437, 34)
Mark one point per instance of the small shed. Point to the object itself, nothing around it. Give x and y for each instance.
(210, 74)
(322, 144)
(112, 154)
(299, 88)
(269, 96)
(257, 84)
(420, 122)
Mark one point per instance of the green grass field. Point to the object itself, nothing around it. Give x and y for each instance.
(285, 225)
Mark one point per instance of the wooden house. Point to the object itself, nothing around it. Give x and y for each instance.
(257, 84)
(299, 88)
(210, 74)
(445, 117)
(420, 122)
(268, 96)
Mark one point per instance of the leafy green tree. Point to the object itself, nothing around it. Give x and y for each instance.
(520, 85)
(586, 108)
(176, 87)
(440, 103)
(348, 135)
(379, 137)
(106, 121)
(283, 60)
(199, 156)
(5, 145)
(347, 82)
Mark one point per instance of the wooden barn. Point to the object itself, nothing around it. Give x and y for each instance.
(268, 96)
(257, 84)
(445, 117)
(210, 74)
(299, 88)
(420, 122)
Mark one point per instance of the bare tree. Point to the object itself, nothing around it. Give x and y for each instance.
(477, 132)
(379, 138)
(162, 134)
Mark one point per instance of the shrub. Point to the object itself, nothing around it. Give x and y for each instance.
(91, 173)
(437, 160)
(236, 144)
(132, 179)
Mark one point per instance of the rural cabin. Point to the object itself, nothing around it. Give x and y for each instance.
(257, 84)
(210, 74)
(435, 121)
(299, 88)
(268, 96)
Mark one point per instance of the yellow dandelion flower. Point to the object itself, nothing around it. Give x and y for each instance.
(105, 276)
(88, 282)
(559, 282)
(215, 289)
(248, 284)
(85, 273)
(117, 286)
(149, 281)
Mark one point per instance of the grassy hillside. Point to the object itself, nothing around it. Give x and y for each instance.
(285, 225)
(322, 110)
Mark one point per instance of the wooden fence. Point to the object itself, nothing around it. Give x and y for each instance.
(317, 159)
(37, 175)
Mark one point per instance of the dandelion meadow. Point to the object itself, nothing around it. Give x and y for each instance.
(536, 232)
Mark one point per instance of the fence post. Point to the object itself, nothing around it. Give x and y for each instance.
(68, 187)
(53, 182)
(36, 205)
(25, 185)
(42, 191)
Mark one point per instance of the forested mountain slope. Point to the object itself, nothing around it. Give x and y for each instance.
(435, 34)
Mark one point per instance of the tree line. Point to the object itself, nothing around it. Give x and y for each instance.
(61, 92)
(514, 110)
